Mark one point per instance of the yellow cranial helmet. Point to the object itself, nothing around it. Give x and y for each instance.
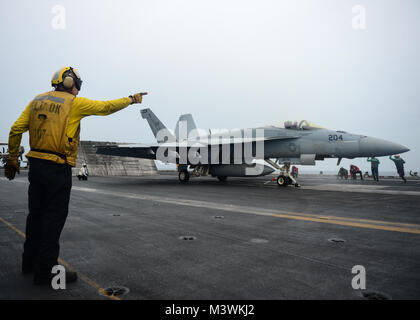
(68, 76)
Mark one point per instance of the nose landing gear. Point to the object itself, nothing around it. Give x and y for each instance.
(283, 181)
(285, 178)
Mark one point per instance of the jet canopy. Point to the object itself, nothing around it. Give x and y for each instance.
(302, 125)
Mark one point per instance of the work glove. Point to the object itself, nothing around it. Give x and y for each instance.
(138, 97)
(12, 166)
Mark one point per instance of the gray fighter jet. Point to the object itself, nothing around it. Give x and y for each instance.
(233, 153)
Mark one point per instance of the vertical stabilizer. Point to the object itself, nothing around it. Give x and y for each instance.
(184, 126)
(156, 125)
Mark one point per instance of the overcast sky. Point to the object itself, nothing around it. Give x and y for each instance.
(230, 63)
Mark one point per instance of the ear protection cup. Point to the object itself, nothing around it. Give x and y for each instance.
(68, 82)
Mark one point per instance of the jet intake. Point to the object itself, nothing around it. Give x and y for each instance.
(307, 159)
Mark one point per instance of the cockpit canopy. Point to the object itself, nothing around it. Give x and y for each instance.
(302, 125)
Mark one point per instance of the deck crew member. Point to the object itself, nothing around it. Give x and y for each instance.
(355, 170)
(399, 163)
(374, 162)
(53, 121)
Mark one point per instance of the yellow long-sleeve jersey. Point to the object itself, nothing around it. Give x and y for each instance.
(81, 107)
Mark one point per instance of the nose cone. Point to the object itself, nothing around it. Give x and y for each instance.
(377, 147)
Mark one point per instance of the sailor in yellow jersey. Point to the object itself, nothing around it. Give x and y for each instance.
(53, 121)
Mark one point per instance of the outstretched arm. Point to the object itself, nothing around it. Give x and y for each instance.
(83, 107)
(87, 107)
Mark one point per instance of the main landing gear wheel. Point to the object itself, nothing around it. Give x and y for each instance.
(184, 176)
(222, 178)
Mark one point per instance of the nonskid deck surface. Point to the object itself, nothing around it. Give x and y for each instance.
(245, 238)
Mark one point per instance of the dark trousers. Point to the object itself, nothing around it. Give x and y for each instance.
(356, 172)
(375, 173)
(49, 194)
(402, 174)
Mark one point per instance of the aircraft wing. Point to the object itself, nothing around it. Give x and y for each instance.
(222, 141)
(149, 152)
(134, 151)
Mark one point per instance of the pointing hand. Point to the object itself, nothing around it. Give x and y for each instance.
(138, 97)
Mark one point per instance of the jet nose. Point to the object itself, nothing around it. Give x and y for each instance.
(377, 147)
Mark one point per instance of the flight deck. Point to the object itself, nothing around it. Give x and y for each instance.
(246, 238)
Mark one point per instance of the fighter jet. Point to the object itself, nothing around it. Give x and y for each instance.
(233, 153)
